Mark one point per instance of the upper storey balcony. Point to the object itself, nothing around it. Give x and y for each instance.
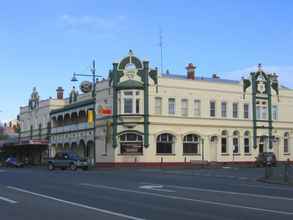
(68, 122)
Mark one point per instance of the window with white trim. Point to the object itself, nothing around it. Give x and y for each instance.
(258, 112)
(224, 142)
(196, 107)
(286, 143)
(246, 111)
(235, 110)
(264, 113)
(131, 143)
(236, 142)
(184, 107)
(137, 104)
(158, 105)
(131, 102)
(191, 144)
(212, 108)
(128, 105)
(224, 109)
(246, 142)
(165, 143)
(275, 112)
(171, 106)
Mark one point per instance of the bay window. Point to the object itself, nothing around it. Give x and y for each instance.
(131, 102)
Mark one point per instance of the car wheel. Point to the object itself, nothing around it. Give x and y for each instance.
(50, 167)
(73, 167)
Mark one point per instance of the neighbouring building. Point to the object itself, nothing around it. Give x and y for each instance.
(147, 118)
(35, 128)
(70, 128)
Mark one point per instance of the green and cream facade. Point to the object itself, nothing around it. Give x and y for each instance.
(177, 119)
(144, 117)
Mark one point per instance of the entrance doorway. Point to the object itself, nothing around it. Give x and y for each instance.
(213, 148)
(262, 146)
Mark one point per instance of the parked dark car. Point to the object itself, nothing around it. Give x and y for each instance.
(12, 162)
(266, 158)
(67, 160)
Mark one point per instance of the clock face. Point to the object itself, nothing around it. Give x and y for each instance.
(86, 86)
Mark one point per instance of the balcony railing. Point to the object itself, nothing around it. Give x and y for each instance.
(69, 128)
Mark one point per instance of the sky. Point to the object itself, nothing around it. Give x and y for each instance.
(43, 42)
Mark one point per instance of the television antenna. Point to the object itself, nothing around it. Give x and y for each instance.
(161, 49)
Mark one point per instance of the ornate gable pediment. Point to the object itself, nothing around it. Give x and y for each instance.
(130, 71)
(34, 99)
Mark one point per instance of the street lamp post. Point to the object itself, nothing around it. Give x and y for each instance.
(94, 79)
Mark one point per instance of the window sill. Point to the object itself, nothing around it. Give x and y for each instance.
(191, 154)
(247, 154)
(287, 154)
(130, 115)
(131, 154)
(236, 154)
(225, 154)
(165, 154)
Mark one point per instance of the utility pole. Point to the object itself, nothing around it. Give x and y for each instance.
(94, 112)
(94, 82)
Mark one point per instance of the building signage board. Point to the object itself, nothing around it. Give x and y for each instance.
(103, 110)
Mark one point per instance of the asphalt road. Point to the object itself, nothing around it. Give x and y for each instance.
(37, 194)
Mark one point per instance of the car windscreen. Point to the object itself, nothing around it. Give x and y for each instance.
(74, 157)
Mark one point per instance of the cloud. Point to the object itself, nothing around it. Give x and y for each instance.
(92, 24)
(285, 73)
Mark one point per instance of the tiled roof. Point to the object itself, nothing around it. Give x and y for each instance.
(207, 79)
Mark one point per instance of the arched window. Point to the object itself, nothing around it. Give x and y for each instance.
(246, 142)
(286, 143)
(131, 143)
(191, 144)
(67, 119)
(236, 142)
(74, 117)
(60, 121)
(224, 142)
(165, 143)
(82, 116)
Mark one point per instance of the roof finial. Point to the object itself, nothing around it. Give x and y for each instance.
(259, 66)
(130, 53)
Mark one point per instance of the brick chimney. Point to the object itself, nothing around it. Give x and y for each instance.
(60, 92)
(190, 71)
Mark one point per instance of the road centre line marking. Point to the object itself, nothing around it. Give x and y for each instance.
(264, 187)
(104, 211)
(227, 192)
(155, 188)
(187, 199)
(8, 200)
